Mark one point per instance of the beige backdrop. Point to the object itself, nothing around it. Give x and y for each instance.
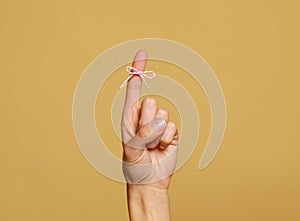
(253, 47)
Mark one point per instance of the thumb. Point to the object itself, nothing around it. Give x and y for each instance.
(148, 133)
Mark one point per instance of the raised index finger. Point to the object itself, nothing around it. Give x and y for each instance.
(135, 83)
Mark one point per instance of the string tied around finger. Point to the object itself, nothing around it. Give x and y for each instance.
(143, 74)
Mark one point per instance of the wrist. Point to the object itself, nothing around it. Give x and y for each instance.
(148, 202)
(147, 189)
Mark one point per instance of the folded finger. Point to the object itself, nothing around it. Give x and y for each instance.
(168, 135)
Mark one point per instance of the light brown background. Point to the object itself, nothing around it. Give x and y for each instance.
(253, 47)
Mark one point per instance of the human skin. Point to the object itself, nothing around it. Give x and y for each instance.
(149, 138)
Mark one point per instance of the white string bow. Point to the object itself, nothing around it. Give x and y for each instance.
(143, 74)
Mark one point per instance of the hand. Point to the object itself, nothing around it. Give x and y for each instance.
(150, 141)
(150, 146)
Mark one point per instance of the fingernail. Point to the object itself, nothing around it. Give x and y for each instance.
(158, 125)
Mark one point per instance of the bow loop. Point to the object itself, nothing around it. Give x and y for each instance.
(143, 74)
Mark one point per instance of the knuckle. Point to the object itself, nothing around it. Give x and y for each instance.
(162, 112)
(149, 101)
(172, 125)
